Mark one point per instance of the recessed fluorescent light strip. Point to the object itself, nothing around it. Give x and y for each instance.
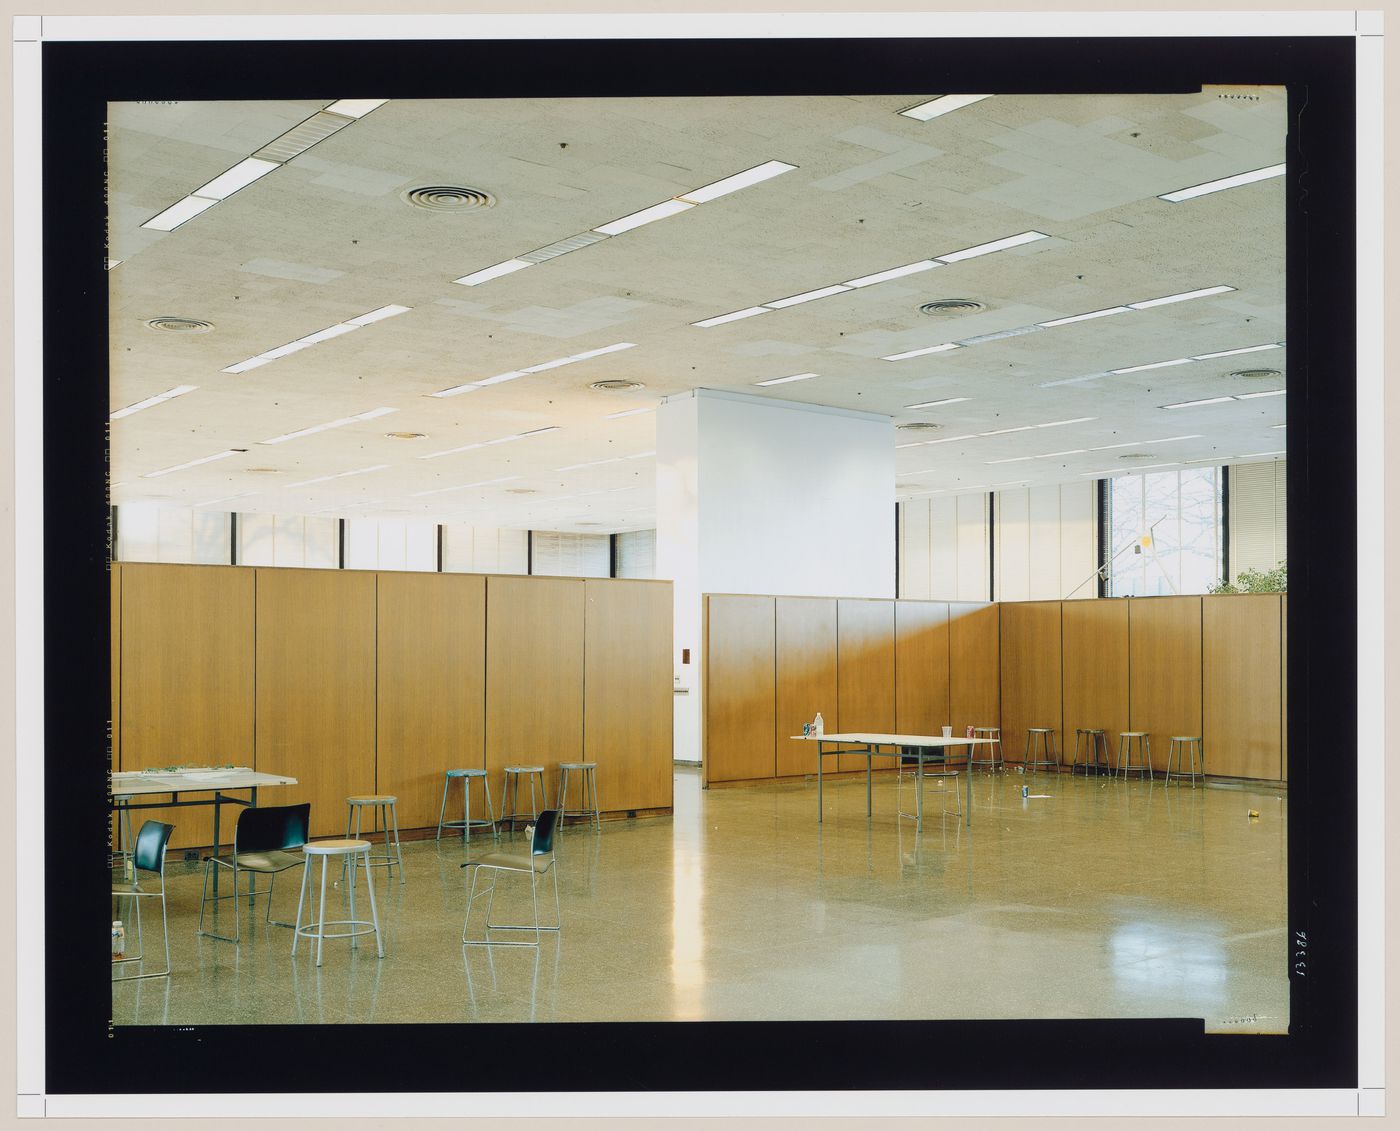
(466, 486)
(937, 404)
(878, 277)
(472, 386)
(295, 141)
(346, 327)
(1146, 304)
(224, 499)
(168, 395)
(194, 463)
(344, 420)
(677, 204)
(1222, 400)
(489, 443)
(340, 475)
(590, 463)
(1224, 183)
(943, 104)
(629, 412)
(785, 380)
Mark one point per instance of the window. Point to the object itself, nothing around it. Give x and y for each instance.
(1181, 510)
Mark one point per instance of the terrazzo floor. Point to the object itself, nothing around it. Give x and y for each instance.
(1105, 898)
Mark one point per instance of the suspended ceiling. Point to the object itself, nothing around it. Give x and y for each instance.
(328, 236)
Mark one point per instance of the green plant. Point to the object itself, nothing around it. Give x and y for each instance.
(1257, 581)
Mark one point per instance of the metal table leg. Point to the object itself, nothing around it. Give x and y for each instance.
(869, 762)
(967, 773)
(819, 781)
(216, 845)
(919, 792)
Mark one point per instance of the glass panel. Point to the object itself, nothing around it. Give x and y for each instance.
(1181, 511)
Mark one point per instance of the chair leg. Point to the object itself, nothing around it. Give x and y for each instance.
(442, 809)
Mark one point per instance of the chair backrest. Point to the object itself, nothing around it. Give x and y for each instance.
(543, 842)
(149, 854)
(272, 828)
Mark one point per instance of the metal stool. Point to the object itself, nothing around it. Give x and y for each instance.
(1125, 754)
(1098, 744)
(468, 822)
(355, 853)
(587, 788)
(1047, 748)
(994, 756)
(386, 809)
(1197, 755)
(929, 770)
(510, 798)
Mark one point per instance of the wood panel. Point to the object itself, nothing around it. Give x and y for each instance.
(1030, 675)
(186, 671)
(806, 677)
(316, 662)
(865, 674)
(1283, 687)
(431, 689)
(1242, 685)
(974, 665)
(1094, 669)
(921, 667)
(627, 692)
(534, 675)
(1164, 646)
(740, 688)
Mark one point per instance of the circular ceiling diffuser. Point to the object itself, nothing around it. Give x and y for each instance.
(1138, 455)
(171, 324)
(919, 426)
(952, 306)
(448, 198)
(1256, 374)
(616, 386)
(405, 435)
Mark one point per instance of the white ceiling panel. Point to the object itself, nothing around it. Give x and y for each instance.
(328, 236)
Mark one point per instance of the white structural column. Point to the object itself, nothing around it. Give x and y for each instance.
(756, 495)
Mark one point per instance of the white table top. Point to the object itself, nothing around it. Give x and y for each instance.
(193, 779)
(892, 739)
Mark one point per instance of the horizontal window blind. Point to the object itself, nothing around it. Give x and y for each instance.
(636, 554)
(563, 554)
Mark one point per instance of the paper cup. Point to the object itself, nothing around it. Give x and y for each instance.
(947, 732)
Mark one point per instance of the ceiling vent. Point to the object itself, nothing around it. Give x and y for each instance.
(170, 324)
(616, 386)
(562, 247)
(448, 198)
(918, 426)
(521, 491)
(302, 137)
(1138, 455)
(405, 435)
(1256, 374)
(952, 306)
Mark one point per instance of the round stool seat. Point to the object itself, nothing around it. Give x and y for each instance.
(466, 773)
(524, 769)
(578, 765)
(1041, 730)
(1132, 733)
(1186, 738)
(341, 847)
(1088, 730)
(372, 799)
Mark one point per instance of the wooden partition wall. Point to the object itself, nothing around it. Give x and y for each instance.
(360, 682)
(771, 663)
(1209, 666)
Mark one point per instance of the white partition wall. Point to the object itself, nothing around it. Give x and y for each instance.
(1045, 542)
(758, 495)
(944, 547)
(149, 532)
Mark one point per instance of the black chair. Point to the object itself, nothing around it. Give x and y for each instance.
(539, 861)
(263, 842)
(147, 856)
